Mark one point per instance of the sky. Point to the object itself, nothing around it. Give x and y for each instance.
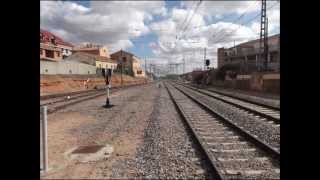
(160, 31)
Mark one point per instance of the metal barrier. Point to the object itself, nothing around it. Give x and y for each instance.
(43, 139)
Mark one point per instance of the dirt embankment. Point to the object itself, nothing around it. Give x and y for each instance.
(53, 84)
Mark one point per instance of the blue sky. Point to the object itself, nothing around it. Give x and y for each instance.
(132, 26)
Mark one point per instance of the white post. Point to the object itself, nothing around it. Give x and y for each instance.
(44, 138)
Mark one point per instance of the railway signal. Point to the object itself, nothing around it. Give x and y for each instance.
(207, 63)
(108, 75)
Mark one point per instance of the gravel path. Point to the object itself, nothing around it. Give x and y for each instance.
(88, 123)
(168, 150)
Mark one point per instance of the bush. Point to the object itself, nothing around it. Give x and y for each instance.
(231, 69)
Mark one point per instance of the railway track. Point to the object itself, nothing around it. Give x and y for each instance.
(266, 130)
(232, 152)
(260, 111)
(268, 103)
(58, 102)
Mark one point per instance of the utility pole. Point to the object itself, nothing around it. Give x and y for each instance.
(145, 65)
(266, 47)
(121, 62)
(204, 67)
(184, 65)
(150, 69)
(263, 38)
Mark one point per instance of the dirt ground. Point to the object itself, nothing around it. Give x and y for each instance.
(53, 84)
(88, 123)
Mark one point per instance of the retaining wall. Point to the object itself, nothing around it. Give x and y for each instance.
(65, 67)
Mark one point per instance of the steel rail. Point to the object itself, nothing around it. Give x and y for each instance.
(203, 146)
(255, 111)
(235, 97)
(260, 143)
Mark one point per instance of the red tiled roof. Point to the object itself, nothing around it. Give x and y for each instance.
(47, 36)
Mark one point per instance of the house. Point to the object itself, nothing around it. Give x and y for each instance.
(53, 47)
(50, 52)
(99, 62)
(129, 63)
(93, 49)
(247, 55)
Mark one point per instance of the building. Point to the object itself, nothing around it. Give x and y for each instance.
(50, 52)
(130, 63)
(105, 63)
(53, 47)
(93, 49)
(247, 55)
(100, 62)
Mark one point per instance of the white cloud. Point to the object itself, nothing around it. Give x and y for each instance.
(201, 35)
(115, 23)
(112, 23)
(220, 8)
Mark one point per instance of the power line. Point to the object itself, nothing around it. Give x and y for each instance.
(240, 25)
(234, 21)
(237, 19)
(194, 12)
(187, 17)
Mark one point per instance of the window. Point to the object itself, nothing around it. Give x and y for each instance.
(67, 51)
(124, 59)
(70, 72)
(225, 53)
(46, 70)
(49, 54)
(88, 72)
(58, 54)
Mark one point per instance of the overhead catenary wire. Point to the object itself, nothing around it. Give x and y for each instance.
(234, 21)
(240, 25)
(237, 19)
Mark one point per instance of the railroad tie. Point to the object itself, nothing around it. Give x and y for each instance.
(234, 150)
(242, 159)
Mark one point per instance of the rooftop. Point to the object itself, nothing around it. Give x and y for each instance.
(246, 44)
(95, 57)
(46, 37)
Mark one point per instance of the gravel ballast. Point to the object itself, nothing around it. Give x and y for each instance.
(168, 150)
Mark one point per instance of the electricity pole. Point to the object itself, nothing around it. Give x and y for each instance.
(121, 62)
(263, 39)
(145, 65)
(184, 65)
(266, 47)
(204, 63)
